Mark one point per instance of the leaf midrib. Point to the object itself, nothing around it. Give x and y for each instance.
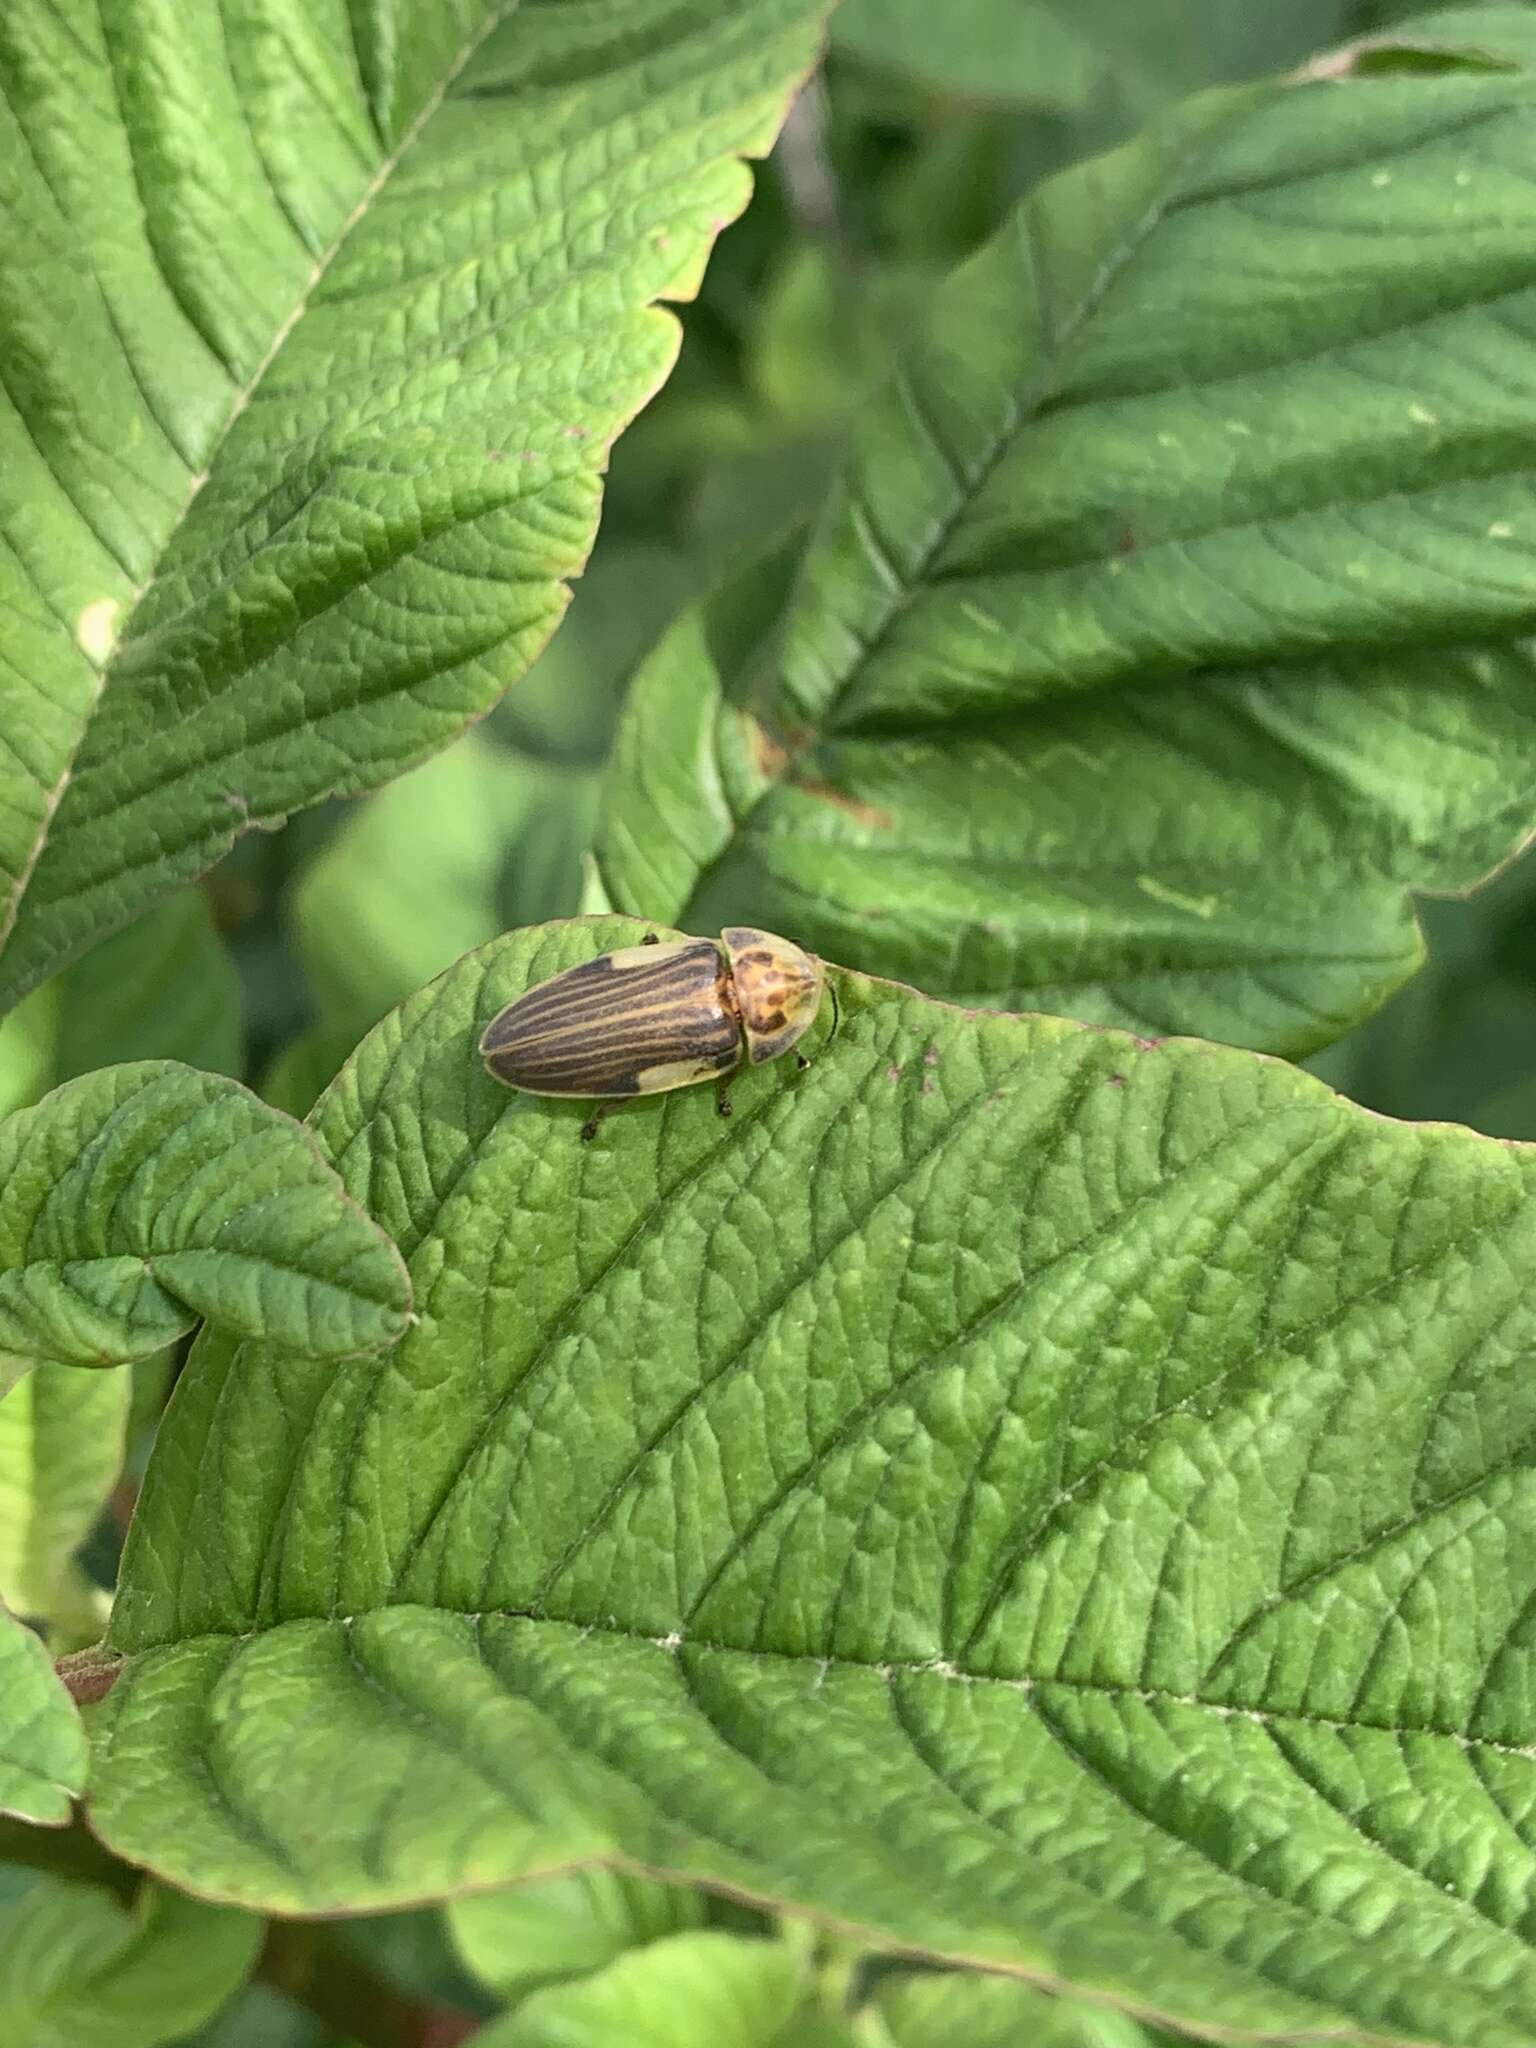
(886, 1668)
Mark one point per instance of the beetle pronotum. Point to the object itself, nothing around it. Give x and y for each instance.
(656, 1016)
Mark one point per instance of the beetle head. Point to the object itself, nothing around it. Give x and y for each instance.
(778, 990)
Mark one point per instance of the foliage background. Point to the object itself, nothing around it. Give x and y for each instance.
(907, 151)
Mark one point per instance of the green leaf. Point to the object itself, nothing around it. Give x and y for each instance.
(320, 324)
(565, 709)
(262, 2018)
(42, 1744)
(1066, 53)
(1171, 622)
(696, 1990)
(305, 1068)
(137, 1199)
(516, 1939)
(77, 1970)
(415, 878)
(937, 2011)
(61, 1449)
(163, 988)
(1028, 1495)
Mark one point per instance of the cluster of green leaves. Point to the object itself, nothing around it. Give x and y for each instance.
(1027, 1495)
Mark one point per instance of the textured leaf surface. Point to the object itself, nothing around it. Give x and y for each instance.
(515, 1939)
(139, 1198)
(1171, 622)
(61, 1448)
(1028, 1494)
(697, 1990)
(42, 1744)
(317, 324)
(77, 1970)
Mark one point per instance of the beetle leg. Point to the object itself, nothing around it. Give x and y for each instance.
(651, 939)
(801, 1062)
(589, 1129)
(722, 1100)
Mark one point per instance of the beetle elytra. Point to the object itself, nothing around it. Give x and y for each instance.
(657, 1016)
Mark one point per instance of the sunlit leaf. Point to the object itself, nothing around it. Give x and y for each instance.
(1034, 1497)
(1172, 621)
(318, 323)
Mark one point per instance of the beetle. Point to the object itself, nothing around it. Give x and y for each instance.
(655, 1016)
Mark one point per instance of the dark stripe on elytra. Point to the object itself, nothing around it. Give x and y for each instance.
(700, 966)
(659, 1023)
(649, 1050)
(571, 1020)
(656, 1041)
(610, 1075)
(583, 997)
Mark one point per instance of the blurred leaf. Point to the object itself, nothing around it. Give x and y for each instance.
(1172, 621)
(77, 1970)
(516, 1939)
(564, 711)
(414, 877)
(415, 1951)
(320, 324)
(137, 1199)
(61, 1448)
(27, 1037)
(942, 2010)
(805, 364)
(1022, 1494)
(695, 1990)
(1456, 1043)
(260, 2017)
(42, 1746)
(163, 988)
(305, 1068)
(1065, 52)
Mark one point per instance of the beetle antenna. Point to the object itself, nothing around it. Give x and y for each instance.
(837, 1013)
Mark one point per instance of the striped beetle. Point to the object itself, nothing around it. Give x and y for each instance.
(656, 1016)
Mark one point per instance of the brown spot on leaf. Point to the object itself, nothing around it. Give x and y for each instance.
(768, 755)
(870, 816)
(88, 1675)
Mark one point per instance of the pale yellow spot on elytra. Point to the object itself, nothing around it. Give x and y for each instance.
(96, 629)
